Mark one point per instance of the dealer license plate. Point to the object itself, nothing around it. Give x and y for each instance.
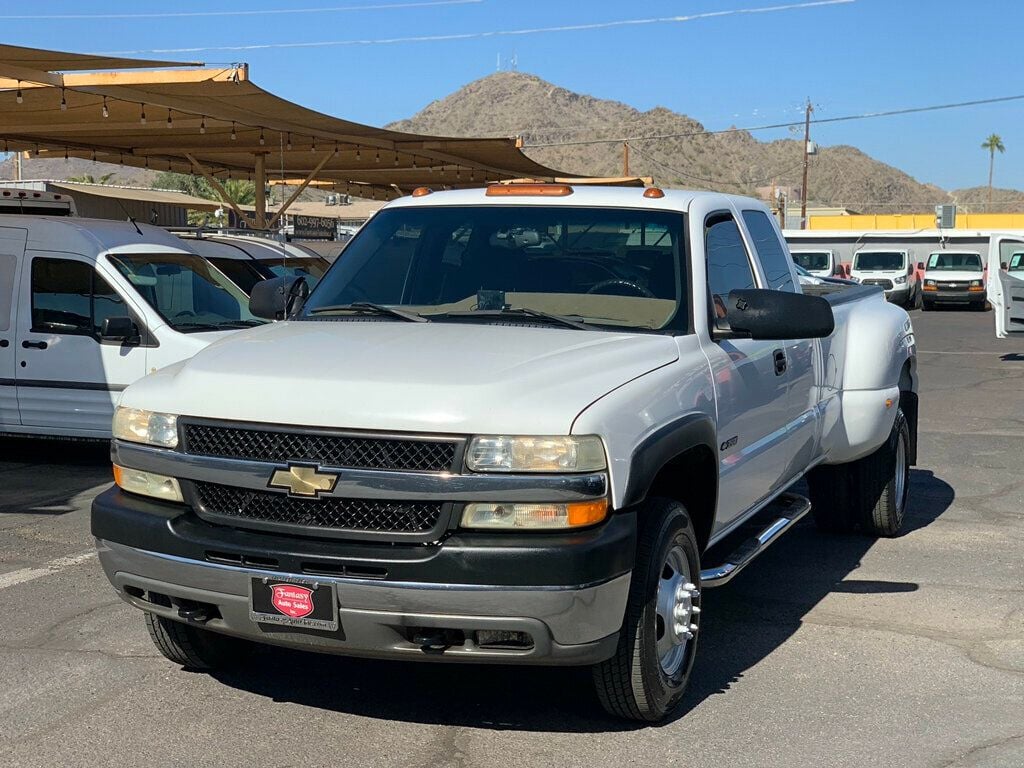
(294, 602)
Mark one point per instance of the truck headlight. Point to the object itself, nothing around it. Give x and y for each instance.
(504, 453)
(930, 282)
(576, 514)
(138, 426)
(899, 279)
(147, 484)
(976, 283)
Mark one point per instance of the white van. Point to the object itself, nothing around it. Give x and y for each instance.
(820, 263)
(87, 306)
(954, 277)
(892, 270)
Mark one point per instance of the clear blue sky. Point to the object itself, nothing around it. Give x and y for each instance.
(740, 70)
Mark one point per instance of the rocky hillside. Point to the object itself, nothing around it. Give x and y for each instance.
(513, 103)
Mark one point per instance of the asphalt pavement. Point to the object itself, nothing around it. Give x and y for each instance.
(828, 651)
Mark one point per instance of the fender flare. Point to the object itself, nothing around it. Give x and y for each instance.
(660, 447)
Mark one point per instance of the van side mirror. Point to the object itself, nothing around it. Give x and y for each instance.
(119, 329)
(920, 265)
(1003, 266)
(279, 297)
(757, 313)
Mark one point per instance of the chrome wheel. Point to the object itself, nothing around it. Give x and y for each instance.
(900, 486)
(676, 611)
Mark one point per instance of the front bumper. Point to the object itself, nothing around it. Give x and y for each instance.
(567, 591)
(898, 295)
(955, 297)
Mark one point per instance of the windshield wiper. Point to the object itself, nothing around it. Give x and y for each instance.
(371, 308)
(532, 314)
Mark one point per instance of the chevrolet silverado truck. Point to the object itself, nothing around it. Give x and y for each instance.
(511, 425)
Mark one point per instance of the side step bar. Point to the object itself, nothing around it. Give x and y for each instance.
(792, 508)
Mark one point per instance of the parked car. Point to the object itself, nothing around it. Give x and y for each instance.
(819, 263)
(87, 306)
(954, 277)
(546, 404)
(891, 270)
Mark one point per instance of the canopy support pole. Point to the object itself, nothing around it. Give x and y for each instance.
(295, 195)
(260, 180)
(205, 173)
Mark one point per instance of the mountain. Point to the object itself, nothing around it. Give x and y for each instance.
(514, 103)
(58, 168)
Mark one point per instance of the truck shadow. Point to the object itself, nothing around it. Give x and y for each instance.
(44, 477)
(744, 622)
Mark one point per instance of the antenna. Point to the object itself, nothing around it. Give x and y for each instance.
(515, 62)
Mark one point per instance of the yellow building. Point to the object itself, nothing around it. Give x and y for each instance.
(915, 221)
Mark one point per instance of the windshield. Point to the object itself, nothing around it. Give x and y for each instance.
(879, 261)
(242, 272)
(187, 292)
(959, 262)
(312, 268)
(616, 267)
(1017, 262)
(816, 260)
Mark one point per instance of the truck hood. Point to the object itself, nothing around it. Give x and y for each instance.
(430, 377)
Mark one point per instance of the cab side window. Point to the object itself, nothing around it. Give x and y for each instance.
(69, 297)
(770, 250)
(728, 264)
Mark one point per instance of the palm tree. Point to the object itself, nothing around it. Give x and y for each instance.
(993, 144)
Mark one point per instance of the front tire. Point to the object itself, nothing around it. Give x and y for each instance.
(193, 647)
(648, 674)
(870, 494)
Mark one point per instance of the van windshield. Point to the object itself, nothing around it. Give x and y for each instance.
(812, 260)
(187, 292)
(879, 261)
(958, 262)
(607, 266)
(1017, 262)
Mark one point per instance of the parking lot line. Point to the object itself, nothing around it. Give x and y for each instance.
(54, 566)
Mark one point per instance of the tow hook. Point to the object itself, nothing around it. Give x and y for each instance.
(433, 643)
(197, 613)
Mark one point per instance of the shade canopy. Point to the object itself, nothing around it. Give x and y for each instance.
(215, 121)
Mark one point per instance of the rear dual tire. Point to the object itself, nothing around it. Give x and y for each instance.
(647, 677)
(868, 495)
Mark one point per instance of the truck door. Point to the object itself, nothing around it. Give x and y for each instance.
(68, 381)
(799, 444)
(12, 252)
(751, 391)
(1006, 286)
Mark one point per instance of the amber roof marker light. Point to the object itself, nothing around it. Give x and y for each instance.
(529, 190)
(654, 192)
(421, 191)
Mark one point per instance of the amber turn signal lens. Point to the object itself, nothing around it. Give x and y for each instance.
(587, 512)
(529, 190)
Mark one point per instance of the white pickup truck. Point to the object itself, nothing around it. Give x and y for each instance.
(509, 426)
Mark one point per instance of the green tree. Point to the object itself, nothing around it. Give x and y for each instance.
(240, 191)
(88, 178)
(993, 144)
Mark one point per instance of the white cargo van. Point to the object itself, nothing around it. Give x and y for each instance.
(819, 263)
(891, 269)
(87, 306)
(954, 277)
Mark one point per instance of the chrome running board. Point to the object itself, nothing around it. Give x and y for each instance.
(791, 508)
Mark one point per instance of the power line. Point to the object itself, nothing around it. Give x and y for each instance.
(498, 33)
(815, 121)
(264, 12)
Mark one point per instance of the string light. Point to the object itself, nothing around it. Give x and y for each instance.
(234, 136)
(313, 147)
(106, 112)
(262, 140)
(202, 125)
(18, 97)
(288, 141)
(170, 122)
(65, 154)
(376, 157)
(414, 161)
(396, 159)
(142, 113)
(63, 101)
(36, 152)
(472, 175)
(458, 172)
(359, 155)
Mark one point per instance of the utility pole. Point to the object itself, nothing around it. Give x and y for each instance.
(807, 163)
(625, 159)
(17, 165)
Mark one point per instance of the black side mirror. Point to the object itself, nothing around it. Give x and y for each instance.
(757, 313)
(920, 265)
(278, 298)
(119, 329)
(1003, 266)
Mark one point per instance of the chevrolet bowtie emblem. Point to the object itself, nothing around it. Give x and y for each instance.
(303, 481)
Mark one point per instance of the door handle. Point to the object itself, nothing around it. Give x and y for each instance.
(34, 344)
(780, 361)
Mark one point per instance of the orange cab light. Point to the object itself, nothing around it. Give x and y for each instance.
(587, 512)
(654, 192)
(529, 190)
(976, 289)
(421, 191)
(931, 287)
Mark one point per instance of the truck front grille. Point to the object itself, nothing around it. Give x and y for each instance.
(354, 515)
(281, 444)
(882, 283)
